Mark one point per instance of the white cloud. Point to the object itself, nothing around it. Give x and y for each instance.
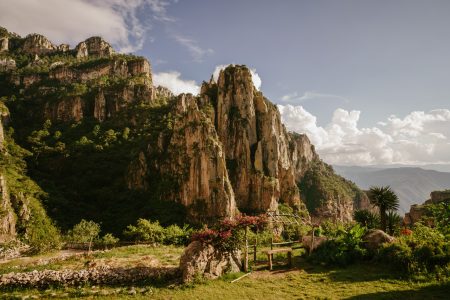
(295, 97)
(419, 138)
(174, 83)
(71, 21)
(255, 77)
(192, 46)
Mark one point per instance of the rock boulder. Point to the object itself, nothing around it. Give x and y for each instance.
(203, 259)
(374, 238)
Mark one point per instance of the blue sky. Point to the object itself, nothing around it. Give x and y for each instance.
(369, 81)
(380, 57)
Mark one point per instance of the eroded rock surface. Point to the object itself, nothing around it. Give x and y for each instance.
(201, 259)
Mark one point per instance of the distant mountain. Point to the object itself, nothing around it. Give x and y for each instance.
(412, 184)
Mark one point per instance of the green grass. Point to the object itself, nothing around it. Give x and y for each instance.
(304, 281)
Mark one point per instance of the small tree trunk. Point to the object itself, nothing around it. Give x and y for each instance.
(90, 244)
(246, 251)
(383, 219)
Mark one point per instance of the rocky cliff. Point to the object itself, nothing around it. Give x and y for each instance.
(421, 212)
(21, 212)
(110, 146)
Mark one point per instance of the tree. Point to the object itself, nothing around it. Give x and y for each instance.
(385, 199)
(394, 221)
(367, 218)
(85, 232)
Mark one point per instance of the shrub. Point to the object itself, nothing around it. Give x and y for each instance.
(424, 251)
(343, 249)
(108, 240)
(229, 235)
(175, 235)
(145, 231)
(367, 218)
(85, 232)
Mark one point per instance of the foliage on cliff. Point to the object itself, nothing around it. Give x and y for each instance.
(321, 183)
(33, 225)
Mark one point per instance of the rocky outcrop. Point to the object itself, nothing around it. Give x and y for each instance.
(222, 152)
(7, 215)
(201, 259)
(7, 64)
(256, 144)
(4, 44)
(37, 44)
(197, 163)
(375, 238)
(69, 109)
(113, 67)
(94, 46)
(420, 212)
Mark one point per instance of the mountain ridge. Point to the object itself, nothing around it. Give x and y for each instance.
(107, 145)
(412, 184)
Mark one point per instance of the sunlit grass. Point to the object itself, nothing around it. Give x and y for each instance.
(304, 281)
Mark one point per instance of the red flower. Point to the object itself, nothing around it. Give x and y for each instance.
(406, 231)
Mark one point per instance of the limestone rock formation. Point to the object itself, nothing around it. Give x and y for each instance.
(218, 154)
(94, 46)
(197, 162)
(37, 44)
(258, 149)
(419, 212)
(7, 216)
(7, 64)
(202, 259)
(4, 44)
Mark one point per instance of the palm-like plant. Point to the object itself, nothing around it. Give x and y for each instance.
(393, 221)
(385, 199)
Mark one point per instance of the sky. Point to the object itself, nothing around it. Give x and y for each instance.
(368, 81)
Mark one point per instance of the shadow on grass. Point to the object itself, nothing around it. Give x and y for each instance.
(357, 272)
(432, 292)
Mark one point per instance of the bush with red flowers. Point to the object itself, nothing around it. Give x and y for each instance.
(406, 231)
(228, 235)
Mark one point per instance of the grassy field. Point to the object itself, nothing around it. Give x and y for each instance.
(304, 281)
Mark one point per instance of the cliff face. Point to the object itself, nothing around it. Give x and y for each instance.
(114, 138)
(21, 213)
(7, 216)
(418, 212)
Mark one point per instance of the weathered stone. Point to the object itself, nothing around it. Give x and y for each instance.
(63, 48)
(194, 147)
(375, 238)
(200, 259)
(4, 44)
(100, 106)
(310, 243)
(137, 172)
(7, 64)
(94, 46)
(37, 44)
(69, 109)
(420, 212)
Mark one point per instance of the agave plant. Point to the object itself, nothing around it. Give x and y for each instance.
(385, 199)
(367, 218)
(394, 221)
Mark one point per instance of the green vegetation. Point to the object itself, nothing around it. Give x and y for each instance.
(33, 225)
(152, 232)
(304, 281)
(367, 219)
(320, 184)
(386, 200)
(85, 232)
